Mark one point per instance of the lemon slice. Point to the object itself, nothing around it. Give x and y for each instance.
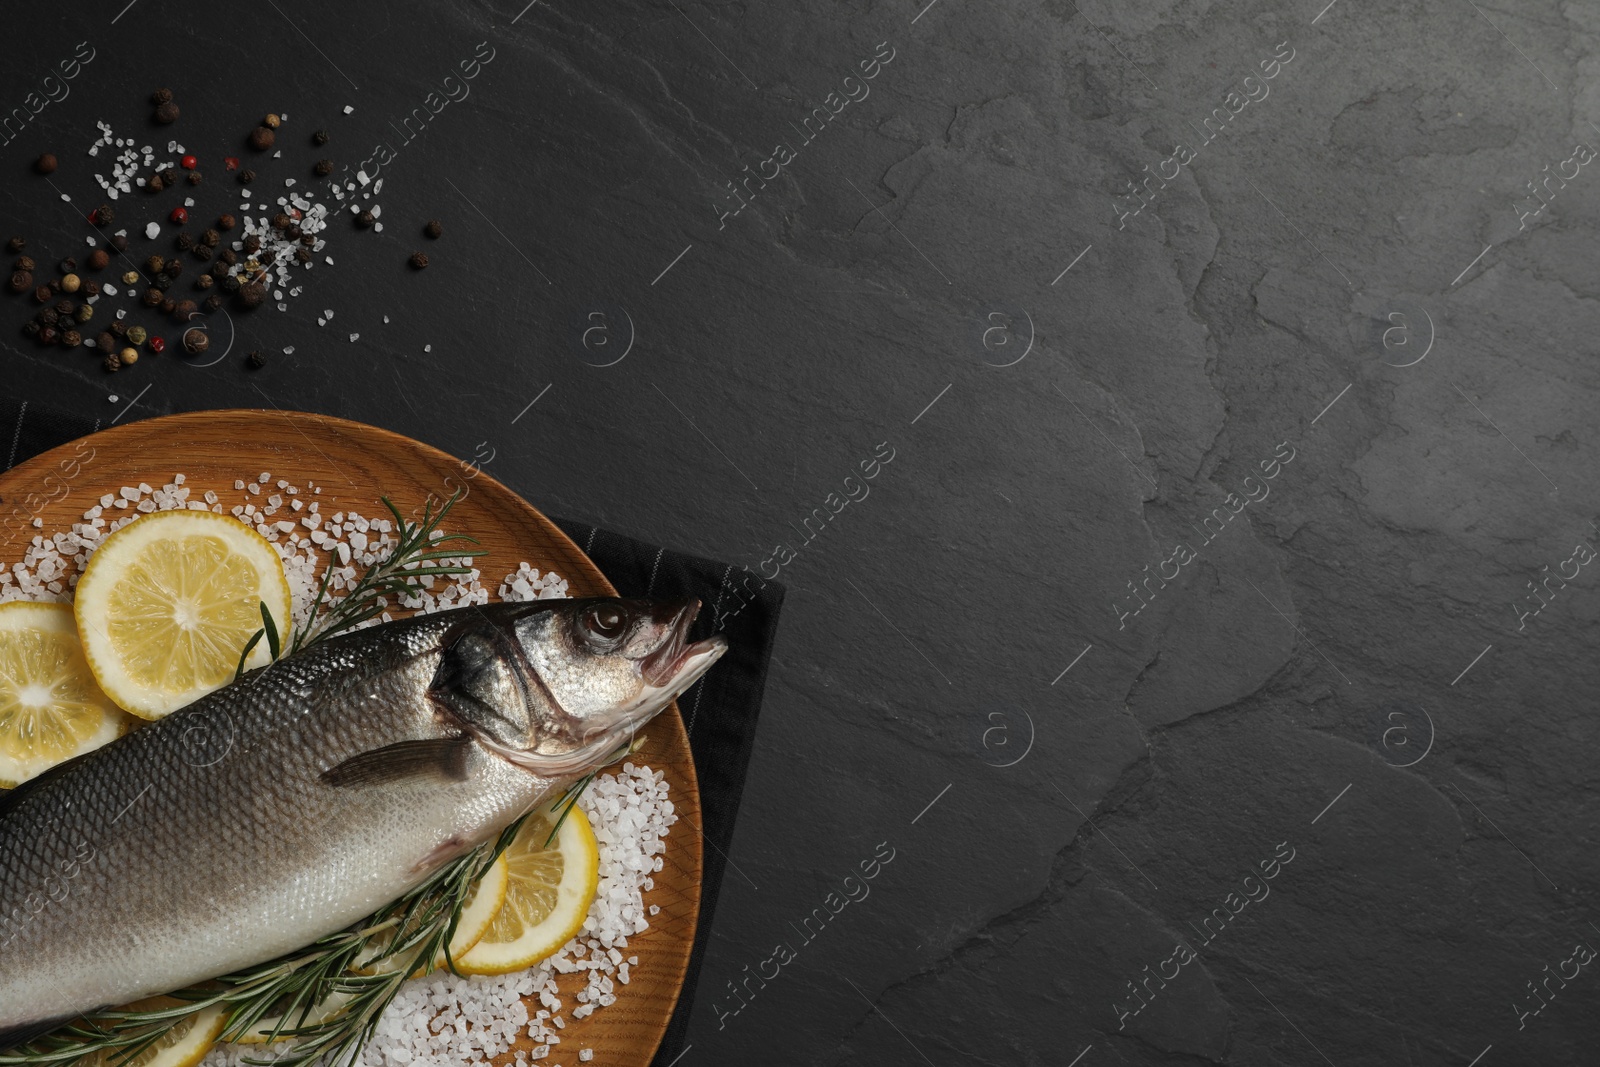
(482, 907)
(184, 1045)
(548, 898)
(169, 601)
(50, 707)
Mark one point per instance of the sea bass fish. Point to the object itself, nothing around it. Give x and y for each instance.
(312, 792)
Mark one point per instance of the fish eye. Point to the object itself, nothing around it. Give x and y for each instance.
(604, 620)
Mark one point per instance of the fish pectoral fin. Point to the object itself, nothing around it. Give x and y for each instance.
(442, 758)
(21, 1035)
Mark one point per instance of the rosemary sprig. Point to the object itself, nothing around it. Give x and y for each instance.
(415, 556)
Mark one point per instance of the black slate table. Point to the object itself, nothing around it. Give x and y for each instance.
(1204, 671)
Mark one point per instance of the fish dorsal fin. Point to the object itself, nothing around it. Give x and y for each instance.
(442, 758)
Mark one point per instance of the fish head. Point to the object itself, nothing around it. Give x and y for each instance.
(558, 686)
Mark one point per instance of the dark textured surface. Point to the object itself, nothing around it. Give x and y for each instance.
(1321, 640)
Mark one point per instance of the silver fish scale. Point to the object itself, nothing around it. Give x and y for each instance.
(207, 842)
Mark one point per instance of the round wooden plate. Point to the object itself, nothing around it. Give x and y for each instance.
(355, 465)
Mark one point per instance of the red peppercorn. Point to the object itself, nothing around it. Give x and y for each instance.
(231, 162)
(188, 162)
(179, 216)
(158, 344)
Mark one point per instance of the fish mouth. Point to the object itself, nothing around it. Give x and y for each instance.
(661, 667)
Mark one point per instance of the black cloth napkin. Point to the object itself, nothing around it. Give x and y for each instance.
(719, 711)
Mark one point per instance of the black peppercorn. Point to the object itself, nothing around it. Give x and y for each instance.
(184, 310)
(99, 259)
(103, 215)
(167, 306)
(418, 260)
(309, 240)
(112, 363)
(68, 265)
(46, 164)
(366, 219)
(42, 293)
(167, 113)
(303, 255)
(154, 264)
(48, 335)
(49, 317)
(91, 288)
(184, 241)
(230, 284)
(320, 137)
(119, 241)
(228, 257)
(25, 263)
(71, 339)
(201, 252)
(256, 360)
(151, 298)
(117, 329)
(65, 307)
(194, 177)
(291, 232)
(155, 184)
(31, 329)
(16, 244)
(105, 342)
(174, 267)
(226, 222)
(212, 302)
(253, 295)
(324, 167)
(261, 138)
(434, 228)
(205, 281)
(160, 96)
(246, 176)
(21, 282)
(252, 244)
(281, 221)
(195, 341)
(210, 237)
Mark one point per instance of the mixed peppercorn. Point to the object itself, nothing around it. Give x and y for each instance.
(65, 308)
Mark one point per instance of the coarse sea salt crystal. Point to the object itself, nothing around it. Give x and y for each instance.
(152, 230)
